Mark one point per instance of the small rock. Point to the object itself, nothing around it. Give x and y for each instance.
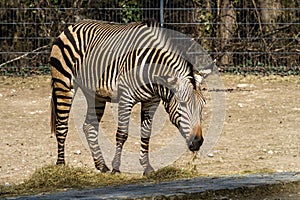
(242, 85)
(270, 152)
(210, 155)
(240, 105)
(1, 95)
(78, 152)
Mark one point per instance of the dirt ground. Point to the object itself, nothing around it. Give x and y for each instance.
(260, 133)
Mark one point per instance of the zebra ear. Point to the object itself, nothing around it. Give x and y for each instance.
(205, 72)
(168, 81)
(198, 78)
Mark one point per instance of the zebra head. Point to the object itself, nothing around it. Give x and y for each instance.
(184, 106)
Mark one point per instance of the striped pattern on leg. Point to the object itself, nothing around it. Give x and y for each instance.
(91, 128)
(124, 111)
(62, 97)
(148, 110)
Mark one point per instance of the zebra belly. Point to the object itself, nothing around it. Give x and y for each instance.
(104, 94)
(98, 93)
(113, 95)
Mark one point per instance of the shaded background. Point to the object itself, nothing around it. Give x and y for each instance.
(256, 36)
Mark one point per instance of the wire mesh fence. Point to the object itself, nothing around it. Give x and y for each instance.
(257, 36)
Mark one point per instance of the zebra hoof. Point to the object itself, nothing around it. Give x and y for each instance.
(60, 162)
(148, 171)
(115, 171)
(103, 168)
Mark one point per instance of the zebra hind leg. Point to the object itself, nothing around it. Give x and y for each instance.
(91, 128)
(147, 112)
(61, 102)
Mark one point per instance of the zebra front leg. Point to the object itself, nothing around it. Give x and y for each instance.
(124, 111)
(91, 129)
(147, 112)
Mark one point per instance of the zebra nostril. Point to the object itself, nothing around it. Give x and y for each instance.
(191, 146)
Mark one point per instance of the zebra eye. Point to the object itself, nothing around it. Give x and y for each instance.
(183, 103)
(180, 99)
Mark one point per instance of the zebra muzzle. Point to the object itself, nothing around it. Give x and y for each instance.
(196, 139)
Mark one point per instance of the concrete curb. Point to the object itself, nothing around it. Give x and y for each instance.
(180, 189)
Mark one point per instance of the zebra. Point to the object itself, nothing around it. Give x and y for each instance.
(128, 63)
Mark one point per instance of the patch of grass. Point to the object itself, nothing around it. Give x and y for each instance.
(69, 177)
(171, 173)
(57, 178)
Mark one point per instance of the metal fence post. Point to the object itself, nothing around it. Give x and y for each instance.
(161, 12)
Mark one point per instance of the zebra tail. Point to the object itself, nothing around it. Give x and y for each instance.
(53, 113)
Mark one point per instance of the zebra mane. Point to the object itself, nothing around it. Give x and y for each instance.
(174, 48)
(150, 22)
